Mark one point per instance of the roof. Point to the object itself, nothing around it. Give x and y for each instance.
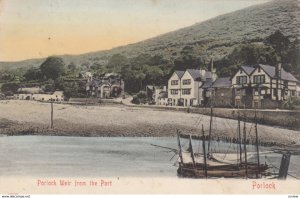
(195, 73)
(271, 71)
(58, 92)
(207, 84)
(32, 90)
(93, 83)
(179, 73)
(208, 74)
(150, 87)
(224, 82)
(248, 69)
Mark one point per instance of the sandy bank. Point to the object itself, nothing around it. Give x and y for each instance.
(29, 117)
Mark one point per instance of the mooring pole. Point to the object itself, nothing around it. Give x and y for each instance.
(210, 128)
(245, 149)
(192, 152)
(239, 134)
(179, 146)
(257, 149)
(204, 152)
(51, 126)
(284, 165)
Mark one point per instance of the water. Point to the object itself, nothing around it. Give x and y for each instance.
(58, 156)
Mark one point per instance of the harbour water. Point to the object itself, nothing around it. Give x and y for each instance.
(59, 156)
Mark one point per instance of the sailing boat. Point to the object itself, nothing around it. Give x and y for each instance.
(210, 164)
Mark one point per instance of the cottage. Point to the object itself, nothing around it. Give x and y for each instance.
(157, 94)
(110, 85)
(222, 92)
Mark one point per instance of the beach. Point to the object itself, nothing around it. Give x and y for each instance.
(33, 118)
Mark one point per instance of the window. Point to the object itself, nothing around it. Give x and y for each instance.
(186, 82)
(258, 69)
(186, 91)
(241, 80)
(285, 84)
(259, 79)
(174, 91)
(293, 93)
(174, 82)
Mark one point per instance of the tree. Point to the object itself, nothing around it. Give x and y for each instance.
(9, 88)
(117, 61)
(72, 67)
(154, 75)
(188, 59)
(279, 42)
(33, 74)
(53, 67)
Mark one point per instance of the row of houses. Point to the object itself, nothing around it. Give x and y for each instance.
(259, 86)
(57, 96)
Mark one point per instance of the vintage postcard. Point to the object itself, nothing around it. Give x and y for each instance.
(149, 97)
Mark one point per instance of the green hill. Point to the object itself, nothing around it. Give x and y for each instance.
(218, 35)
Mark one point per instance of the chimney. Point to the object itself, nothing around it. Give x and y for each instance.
(278, 67)
(213, 70)
(278, 70)
(202, 73)
(278, 79)
(164, 88)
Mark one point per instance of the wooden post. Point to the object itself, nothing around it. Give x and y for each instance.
(204, 152)
(192, 152)
(245, 149)
(179, 147)
(239, 135)
(284, 165)
(51, 125)
(210, 127)
(256, 142)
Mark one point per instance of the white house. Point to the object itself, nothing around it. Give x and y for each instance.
(174, 88)
(184, 87)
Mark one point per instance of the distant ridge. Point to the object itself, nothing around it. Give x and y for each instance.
(218, 35)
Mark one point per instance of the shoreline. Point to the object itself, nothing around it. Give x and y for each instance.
(33, 118)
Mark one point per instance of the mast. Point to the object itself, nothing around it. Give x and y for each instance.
(257, 149)
(245, 149)
(192, 152)
(210, 128)
(204, 152)
(239, 135)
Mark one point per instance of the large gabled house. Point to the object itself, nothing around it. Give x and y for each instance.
(174, 87)
(185, 87)
(263, 86)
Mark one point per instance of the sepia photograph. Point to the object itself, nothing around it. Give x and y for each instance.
(149, 97)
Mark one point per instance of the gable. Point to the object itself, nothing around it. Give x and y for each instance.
(187, 75)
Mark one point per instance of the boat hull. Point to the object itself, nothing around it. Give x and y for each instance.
(226, 171)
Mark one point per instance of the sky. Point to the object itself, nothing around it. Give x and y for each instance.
(40, 28)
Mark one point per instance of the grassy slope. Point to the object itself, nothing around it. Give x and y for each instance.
(218, 35)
